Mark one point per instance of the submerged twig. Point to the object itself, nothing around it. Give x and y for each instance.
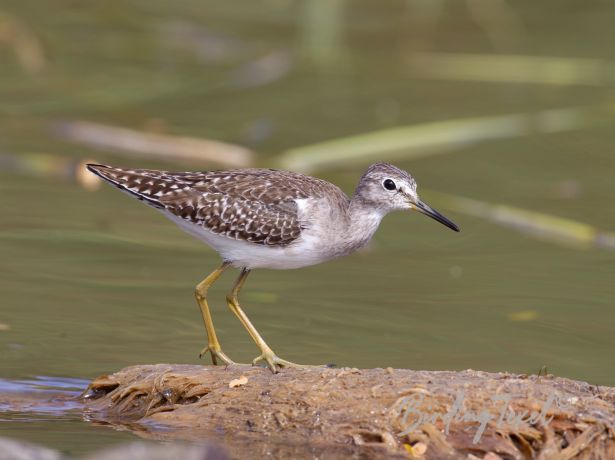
(154, 145)
(501, 68)
(546, 226)
(49, 165)
(25, 43)
(441, 136)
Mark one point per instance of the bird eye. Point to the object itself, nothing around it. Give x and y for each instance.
(389, 184)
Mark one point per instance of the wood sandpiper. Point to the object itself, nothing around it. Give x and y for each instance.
(271, 219)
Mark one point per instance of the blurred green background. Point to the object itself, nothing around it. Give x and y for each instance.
(511, 102)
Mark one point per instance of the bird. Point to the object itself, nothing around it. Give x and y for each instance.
(269, 218)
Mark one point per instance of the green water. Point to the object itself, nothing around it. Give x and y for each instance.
(92, 281)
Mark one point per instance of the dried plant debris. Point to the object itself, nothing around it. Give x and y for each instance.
(392, 413)
(238, 382)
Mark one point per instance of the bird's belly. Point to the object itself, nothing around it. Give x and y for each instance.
(301, 253)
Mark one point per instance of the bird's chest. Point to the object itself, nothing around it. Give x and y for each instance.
(331, 232)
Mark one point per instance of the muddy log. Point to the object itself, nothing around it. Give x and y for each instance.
(372, 412)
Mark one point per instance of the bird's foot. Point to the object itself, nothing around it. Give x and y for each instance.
(216, 354)
(273, 362)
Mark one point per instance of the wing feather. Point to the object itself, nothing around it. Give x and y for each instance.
(254, 205)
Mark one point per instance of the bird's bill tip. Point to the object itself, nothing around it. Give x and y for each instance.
(430, 212)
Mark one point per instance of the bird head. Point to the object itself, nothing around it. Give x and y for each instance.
(388, 188)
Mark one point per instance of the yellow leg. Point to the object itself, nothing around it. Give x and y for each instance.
(267, 354)
(213, 346)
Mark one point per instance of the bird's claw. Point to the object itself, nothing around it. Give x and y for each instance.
(216, 354)
(273, 362)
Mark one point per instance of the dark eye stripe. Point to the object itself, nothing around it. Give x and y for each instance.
(389, 184)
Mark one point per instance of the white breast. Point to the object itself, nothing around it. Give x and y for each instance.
(301, 253)
(327, 235)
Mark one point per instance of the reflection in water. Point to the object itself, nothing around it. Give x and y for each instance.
(40, 398)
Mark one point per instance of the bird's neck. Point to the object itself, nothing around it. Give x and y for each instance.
(363, 221)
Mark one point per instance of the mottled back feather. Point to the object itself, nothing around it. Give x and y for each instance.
(254, 205)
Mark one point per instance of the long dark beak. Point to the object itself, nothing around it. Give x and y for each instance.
(428, 211)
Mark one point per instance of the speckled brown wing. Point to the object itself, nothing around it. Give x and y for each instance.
(254, 205)
(145, 185)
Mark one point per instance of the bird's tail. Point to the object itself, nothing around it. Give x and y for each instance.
(146, 185)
